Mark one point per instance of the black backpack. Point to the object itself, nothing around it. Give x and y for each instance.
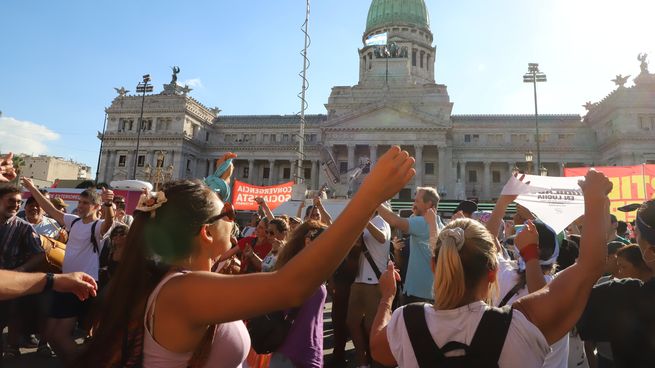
(93, 234)
(485, 348)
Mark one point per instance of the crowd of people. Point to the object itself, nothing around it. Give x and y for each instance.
(178, 284)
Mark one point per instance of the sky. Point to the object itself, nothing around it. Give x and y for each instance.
(60, 60)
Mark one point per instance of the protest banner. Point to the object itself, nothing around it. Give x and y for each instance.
(244, 194)
(632, 184)
(557, 201)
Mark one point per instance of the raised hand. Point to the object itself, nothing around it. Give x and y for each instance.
(107, 195)
(27, 183)
(390, 174)
(78, 283)
(528, 236)
(7, 171)
(430, 216)
(595, 184)
(259, 200)
(388, 281)
(398, 244)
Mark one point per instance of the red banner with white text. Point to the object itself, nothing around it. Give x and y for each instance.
(244, 194)
(632, 184)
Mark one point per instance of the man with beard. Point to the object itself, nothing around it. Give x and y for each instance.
(20, 250)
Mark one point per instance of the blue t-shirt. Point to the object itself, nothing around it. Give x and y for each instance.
(420, 279)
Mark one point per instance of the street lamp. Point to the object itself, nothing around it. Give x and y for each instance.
(533, 76)
(142, 87)
(528, 160)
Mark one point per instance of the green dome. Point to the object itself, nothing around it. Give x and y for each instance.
(397, 12)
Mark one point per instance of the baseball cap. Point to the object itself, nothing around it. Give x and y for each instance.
(57, 201)
(467, 207)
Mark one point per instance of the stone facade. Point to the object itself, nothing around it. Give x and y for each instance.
(396, 101)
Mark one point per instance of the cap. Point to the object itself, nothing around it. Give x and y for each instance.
(629, 207)
(57, 201)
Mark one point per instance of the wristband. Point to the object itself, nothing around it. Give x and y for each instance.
(530, 252)
(49, 281)
(108, 204)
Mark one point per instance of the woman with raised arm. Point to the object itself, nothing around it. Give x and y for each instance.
(189, 316)
(423, 335)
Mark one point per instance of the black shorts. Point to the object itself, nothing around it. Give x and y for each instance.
(67, 305)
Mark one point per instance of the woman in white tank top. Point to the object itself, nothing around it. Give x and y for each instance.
(465, 281)
(176, 313)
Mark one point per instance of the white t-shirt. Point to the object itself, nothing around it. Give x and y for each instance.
(47, 227)
(80, 256)
(379, 252)
(507, 279)
(525, 346)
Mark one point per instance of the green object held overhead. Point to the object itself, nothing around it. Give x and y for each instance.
(397, 12)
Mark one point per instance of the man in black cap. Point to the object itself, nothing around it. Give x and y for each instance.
(465, 209)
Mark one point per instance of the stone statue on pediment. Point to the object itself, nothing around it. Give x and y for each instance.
(121, 91)
(644, 64)
(176, 71)
(620, 80)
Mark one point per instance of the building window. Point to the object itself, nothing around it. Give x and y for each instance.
(495, 175)
(273, 139)
(125, 125)
(308, 173)
(188, 165)
(121, 160)
(285, 138)
(267, 172)
(313, 138)
(429, 168)
(141, 160)
(286, 173)
(422, 56)
(467, 138)
(414, 57)
(146, 124)
(473, 176)
(475, 138)
(343, 167)
(645, 123)
(206, 136)
(266, 138)
(246, 172)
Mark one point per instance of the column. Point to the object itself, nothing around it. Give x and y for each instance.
(271, 167)
(314, 180)
(443, 167)
(293, 170)
(251, 171)
(486, 183)
(562, 165)
(351, 156)
(373, 153)
(510, 167)
(418, 156)
(104, 165)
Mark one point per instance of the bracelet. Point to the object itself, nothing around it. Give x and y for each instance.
(108, 204)
(49, 281)
(530, 252)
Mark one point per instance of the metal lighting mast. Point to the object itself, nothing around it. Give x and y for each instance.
(141, 87)
(303, 101)
(533, 76)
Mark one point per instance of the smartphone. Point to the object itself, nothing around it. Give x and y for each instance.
(518, 229)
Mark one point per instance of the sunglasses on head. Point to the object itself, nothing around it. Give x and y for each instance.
(228, 214)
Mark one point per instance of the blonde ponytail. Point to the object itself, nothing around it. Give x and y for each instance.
(464, 255)
(449, 277)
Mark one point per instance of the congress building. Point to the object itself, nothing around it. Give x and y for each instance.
(395, 101)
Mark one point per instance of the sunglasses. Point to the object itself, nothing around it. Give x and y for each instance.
(227, 213)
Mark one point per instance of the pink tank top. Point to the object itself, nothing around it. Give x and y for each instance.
(229, 348)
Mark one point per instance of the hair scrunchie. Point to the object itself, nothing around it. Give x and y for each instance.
(453, 236)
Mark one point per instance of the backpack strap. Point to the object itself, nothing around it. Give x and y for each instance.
(94, 241)
(74, 222)
(425, 349)
(371, 263)
(487, 343)
(513, 291)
